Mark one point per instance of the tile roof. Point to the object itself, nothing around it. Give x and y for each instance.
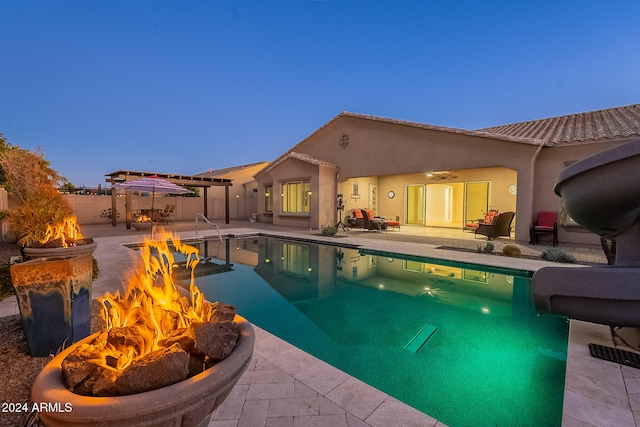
(590, 126)
(299, 156)
(221, 172)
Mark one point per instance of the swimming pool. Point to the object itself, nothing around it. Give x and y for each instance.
(459, 342)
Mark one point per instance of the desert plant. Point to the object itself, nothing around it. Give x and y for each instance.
(512, 251)
(43, 206)
(557, 255)
(329, 230)
(25, 171)
(106, 213)
(486, 249)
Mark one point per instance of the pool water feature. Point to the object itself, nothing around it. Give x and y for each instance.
(460, 342)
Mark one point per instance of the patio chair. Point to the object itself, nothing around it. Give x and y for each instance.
(371, 222)
(489, 217)
(547, 223)
(166, 214)
(501, 226)
(355, 220)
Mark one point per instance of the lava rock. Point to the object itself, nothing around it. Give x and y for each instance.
(157, 369)
(216, 340)
(126, 336)
(221, 312)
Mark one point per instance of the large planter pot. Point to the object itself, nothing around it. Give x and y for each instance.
(188, 403)
(34, 253)
(54, 298)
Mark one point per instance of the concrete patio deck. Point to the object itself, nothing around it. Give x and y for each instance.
(285, 386)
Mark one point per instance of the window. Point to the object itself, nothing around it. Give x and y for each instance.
(295, 260)
(268, 198)
(295, 197)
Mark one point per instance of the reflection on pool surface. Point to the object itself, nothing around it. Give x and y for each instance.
(459, 342)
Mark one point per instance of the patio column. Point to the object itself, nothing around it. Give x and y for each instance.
(206, 200)
(114, 214)
(226, 203)
(128, 208)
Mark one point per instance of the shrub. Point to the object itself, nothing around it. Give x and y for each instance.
(512, 251)
(42, 207)
(329, 230)
(556, 255)
(486, 249)
(107, 214)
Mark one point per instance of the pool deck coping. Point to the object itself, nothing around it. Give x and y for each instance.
(285, 386)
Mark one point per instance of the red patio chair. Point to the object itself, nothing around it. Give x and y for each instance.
(547, 223)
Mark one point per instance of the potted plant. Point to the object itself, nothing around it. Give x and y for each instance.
(54, 291)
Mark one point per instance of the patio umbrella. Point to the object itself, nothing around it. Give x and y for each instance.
(152, 184)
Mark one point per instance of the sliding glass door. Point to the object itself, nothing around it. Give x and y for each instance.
(414, 197)
(476, 201)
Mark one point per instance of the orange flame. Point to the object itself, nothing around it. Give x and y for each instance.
(152, 304)
(143, 218)
(67, 231)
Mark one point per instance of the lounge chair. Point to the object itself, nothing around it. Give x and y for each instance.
(371, 222)
(547, 223)
(392, 224)
(501, 226)
(355, 220)
(166, 214)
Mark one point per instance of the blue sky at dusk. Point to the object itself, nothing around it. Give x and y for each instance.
(184, 86)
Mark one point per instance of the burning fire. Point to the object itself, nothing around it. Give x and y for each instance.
(143, 218)
(68, 231)
(152, 303)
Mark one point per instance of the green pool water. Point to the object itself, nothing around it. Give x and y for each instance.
(459, 342)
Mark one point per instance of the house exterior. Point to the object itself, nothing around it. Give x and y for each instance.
(243, 193)
(426, 175)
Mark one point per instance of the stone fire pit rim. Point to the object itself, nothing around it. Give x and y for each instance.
(34, 253)
(48, 386)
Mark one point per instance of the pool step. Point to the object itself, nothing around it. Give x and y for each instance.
(416, 343)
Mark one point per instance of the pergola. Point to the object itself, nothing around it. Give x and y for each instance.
(192, 181)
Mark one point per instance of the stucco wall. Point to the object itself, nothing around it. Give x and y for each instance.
(89, 208)
(499, 198)
(292, 170)
(389, 154)
(243, 186)
(381, 149)
(550, 163)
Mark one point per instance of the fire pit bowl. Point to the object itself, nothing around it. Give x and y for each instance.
(187, 403)
(142, 226)
(34, 253)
